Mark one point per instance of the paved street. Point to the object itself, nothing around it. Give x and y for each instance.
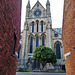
(36, 73)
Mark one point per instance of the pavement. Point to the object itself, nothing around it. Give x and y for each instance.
(38, 73)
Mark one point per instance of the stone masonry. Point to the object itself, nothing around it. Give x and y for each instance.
(10, 17)
(38, 31)
(69, 35)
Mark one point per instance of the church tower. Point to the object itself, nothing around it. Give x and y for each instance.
(48, 8)
(28, 9)
(49, 25)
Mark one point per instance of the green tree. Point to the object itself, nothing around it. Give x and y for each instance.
(44, 55)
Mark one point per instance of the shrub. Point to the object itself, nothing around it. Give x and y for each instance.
(21, 70)
(28, 70)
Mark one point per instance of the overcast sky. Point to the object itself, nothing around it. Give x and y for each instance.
(56, 11)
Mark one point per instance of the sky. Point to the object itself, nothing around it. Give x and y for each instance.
(56, 7)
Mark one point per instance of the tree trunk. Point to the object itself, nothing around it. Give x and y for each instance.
(43, 65)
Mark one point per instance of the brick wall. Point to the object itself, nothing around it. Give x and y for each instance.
(69, 35)
(10, 17)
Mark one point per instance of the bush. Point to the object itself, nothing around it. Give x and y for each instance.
(28, 70)
(23, 70)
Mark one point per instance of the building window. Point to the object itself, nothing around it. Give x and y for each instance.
(37, 26)
(37, 41)
(37, 5)
(56, 35)
(31, 44)
(58, 51)
(41, 27)
(14, 44)
(43, 40)
(33, 27)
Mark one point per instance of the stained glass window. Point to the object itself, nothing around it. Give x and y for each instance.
(37, 5)
(56, 35)
(58, 51)
(43, 40)
(32, 27)
(37, 13)
(37, 26)
(42, 27)
(37, 41)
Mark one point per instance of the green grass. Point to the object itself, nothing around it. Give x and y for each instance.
(28, 70)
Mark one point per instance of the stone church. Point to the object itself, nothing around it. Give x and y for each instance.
(38, 31)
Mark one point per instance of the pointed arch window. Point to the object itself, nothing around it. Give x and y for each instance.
(56, 35)
(32, 27)
(31, 44)
(42, 27)
(37, 26)
(43, 41)
(37, 4)
(58, 51)
(37, 41)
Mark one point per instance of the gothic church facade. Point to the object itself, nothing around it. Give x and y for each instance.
(38, 31)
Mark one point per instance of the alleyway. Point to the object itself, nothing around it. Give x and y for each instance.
(37, 73)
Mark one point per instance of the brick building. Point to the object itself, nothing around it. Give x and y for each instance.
(10, 17)
(69, 36)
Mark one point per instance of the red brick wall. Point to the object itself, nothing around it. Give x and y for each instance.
(69, 35)
(10, 17)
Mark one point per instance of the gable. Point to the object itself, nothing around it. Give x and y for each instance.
(38, 6)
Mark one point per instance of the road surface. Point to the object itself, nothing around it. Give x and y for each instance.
(38, 73)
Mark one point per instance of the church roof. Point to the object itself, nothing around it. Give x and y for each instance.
(58, 30)
(36, 4)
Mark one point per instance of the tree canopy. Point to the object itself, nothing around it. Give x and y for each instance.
(44, 55)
